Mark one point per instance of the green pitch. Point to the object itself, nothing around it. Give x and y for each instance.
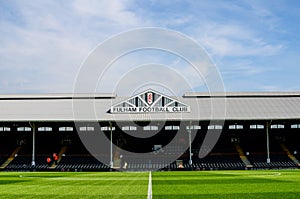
(227, 184)
(202, 184)
(73, 185)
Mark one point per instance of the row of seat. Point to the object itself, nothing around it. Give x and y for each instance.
(279, 161)
(214, 162)
(83, 162)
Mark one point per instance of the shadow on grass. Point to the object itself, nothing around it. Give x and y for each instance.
(216, 181)
(6, 182)
(273, 195)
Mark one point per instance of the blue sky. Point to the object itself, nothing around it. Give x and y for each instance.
(254, 44)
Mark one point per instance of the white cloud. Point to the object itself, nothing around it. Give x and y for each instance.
(43, 43)
(52, 41)
(233, 40)
(112, 11)
(168, 46)
(242, 68)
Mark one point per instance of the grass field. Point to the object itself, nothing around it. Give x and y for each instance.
(202, 184)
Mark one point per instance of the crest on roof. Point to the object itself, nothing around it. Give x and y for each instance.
(150, 101)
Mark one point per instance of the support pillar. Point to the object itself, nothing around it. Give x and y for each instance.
(111, 143)
(190, 144)
(33, 144)
(268, 143)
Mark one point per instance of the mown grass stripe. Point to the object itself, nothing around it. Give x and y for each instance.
(73, 185)
(227, 184)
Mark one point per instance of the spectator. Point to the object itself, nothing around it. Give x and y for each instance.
(49, 161)
(55, 158)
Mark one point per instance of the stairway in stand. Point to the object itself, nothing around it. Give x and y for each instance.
(117, 160)
(10, 158)
(242, 156)
(61, 152)
(291, 156)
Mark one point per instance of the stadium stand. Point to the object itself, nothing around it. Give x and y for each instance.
(258, 126)
(225, 154)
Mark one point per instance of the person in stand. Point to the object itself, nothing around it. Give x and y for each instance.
(55, 158)
(49, 161)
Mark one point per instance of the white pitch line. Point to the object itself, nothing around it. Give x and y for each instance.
(150, 186)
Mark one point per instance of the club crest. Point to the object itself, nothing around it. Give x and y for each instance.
(150, 98)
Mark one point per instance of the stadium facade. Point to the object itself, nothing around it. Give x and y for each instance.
(253, 130)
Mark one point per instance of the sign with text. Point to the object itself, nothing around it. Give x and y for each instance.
(150, 102)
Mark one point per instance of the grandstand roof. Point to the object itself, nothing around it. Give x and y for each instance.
(203, 106)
